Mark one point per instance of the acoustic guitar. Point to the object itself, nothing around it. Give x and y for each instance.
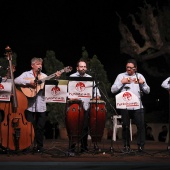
(31, 91)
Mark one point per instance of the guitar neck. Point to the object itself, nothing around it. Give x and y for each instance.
(50, 76)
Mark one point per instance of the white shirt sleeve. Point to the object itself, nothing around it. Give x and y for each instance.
(166, 84)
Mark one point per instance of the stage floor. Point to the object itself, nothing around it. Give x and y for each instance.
(108, 156)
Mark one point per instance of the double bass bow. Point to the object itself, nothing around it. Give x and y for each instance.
(16, 133)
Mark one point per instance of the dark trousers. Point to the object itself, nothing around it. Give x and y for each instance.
(138, 116)
(38, 120)
(84, 138)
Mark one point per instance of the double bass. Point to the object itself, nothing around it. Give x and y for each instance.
(16, 133)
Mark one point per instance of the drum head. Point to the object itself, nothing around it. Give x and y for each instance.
(98, 101)
(74, 101)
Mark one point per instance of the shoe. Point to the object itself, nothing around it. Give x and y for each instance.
(85, 149)
(70, 154)
(25, 151)
(40, 149)
(96, 147)
(72, 148)
(140, 148)
(34, 149)
(126, 149)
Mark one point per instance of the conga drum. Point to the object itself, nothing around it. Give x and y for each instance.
(97, 118)
(74, 119)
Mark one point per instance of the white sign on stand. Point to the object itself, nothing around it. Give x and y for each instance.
(56, 93)
(5, 91)
(126, 100)
(80, 89)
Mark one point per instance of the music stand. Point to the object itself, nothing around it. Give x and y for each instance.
(5, 93)
(55, 93)
(51, 82)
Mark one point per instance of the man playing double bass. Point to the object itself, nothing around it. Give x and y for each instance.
(33, 89)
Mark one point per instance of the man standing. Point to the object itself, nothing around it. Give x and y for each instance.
(36, 111)
(135, 83)
(81, 72)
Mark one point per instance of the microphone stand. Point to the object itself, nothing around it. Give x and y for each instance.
(140, 94)
(115, 112)
(96, 148)
(35, 101)
(97, 106)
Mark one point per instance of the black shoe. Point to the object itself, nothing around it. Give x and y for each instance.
(72, 148)
(70, 154)
(85, 149)
(96, 148)
(34, 149)
(126, 149)
(140, 148)
(40, 149)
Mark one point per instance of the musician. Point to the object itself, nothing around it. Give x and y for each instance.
(36, 111)
(81, 72)
(135, 83)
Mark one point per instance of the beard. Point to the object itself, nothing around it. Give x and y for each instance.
(82, 72)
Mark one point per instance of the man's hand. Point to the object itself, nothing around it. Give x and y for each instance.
(33, 83)
(126, 80)
(58, 74)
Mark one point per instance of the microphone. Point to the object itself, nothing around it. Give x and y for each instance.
(133, 68)
(39, 70)
(36, 78)
(96, 84)
(169, 81)
(89, 71)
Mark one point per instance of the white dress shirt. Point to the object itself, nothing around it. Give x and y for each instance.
(132, 87)
(37, 103)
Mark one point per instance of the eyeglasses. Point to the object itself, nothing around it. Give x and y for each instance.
(130, 67)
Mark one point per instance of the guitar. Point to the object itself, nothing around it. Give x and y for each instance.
(31, 91)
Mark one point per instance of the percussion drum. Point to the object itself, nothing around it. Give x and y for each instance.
(97, 119)
(74, 120)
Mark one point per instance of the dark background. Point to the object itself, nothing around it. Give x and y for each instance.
(31, 28)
